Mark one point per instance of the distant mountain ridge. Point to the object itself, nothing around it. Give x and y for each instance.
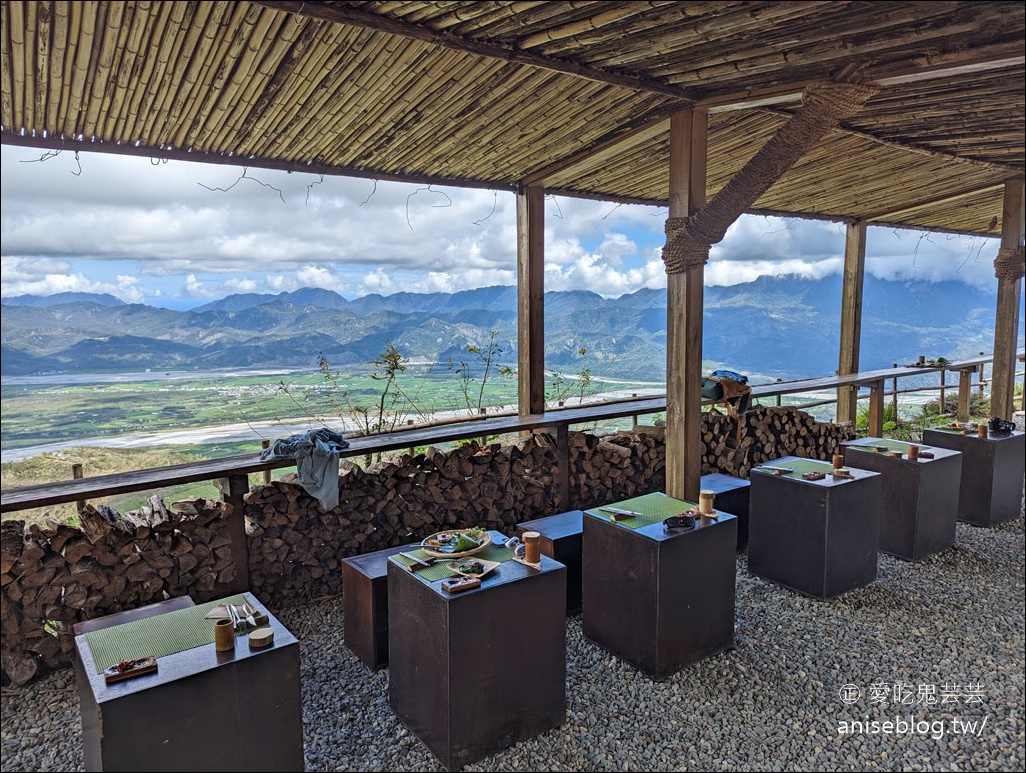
(782, 327)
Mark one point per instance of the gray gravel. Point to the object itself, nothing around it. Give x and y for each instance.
(953, 625)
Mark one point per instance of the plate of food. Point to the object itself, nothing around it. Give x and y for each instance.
(472, 567)
(456, 543)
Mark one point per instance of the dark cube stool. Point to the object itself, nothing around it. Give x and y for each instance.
(817, 537)
(365, 605)
(990, 491)
(732, 496)
(919, 498)
(475, 672)
(656, 599)
(561, 540)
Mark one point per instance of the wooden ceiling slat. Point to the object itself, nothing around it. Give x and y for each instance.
(108, 33)
(218, 50)
(255, 38)
(182, 46)
(128, 67)
(305, 113)
(16, 55)
(7, 79)
(444, 91)
(144, 68)
(80, 69)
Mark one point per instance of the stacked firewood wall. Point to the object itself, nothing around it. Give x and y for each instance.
(766, 433)
(56, 575)
(296, 548)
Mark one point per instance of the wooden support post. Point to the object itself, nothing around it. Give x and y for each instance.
(688, 135)
(1006, 322)
(77, 474)
(851, 317)
(531, 300)
(894, 400)
(233, 489)
(265, 444)
(965, 383)
(876, 408)
(942, 407)
(563, 474)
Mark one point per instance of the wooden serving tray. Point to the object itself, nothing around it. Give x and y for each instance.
(128, 669)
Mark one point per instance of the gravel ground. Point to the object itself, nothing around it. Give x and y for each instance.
(950, 628)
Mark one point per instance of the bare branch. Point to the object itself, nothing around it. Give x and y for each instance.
(245, 176)
(45, 157)
(553, 200)
(495, 201)
(311, 185)
(373, 191)
(615, 207)
(429, 190)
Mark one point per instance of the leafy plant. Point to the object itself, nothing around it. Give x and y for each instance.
(483, 360)
(563, 387)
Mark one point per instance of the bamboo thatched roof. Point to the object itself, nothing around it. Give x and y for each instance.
(571, 96)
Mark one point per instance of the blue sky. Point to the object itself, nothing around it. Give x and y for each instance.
(177, 234)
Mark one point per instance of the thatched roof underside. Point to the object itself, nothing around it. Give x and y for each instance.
(572, 96)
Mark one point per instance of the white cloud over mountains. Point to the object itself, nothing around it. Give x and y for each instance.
(153, 232)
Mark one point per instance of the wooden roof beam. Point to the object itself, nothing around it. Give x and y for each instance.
(950, 65)
(254, 162)
(355, 17)
(943, 65)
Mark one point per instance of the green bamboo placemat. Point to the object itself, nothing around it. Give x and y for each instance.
(799, 466)
(441, 571)
(158, 636)
(953, 430)
(654, 508)
(890, 445)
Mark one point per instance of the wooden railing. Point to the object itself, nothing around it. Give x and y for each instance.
(231, 473)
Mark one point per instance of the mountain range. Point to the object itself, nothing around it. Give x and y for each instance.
(777, 327)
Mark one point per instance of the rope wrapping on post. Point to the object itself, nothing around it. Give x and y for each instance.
(824, 106)
(1009, 263)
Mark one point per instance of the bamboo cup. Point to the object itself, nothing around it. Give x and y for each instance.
(913, 452)
(705, 501)
(981, 430)
(532, 545)
(838, 461)
(224, 635)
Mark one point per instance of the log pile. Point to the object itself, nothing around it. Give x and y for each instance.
(296, 549)
(56, 575)
(766, 433)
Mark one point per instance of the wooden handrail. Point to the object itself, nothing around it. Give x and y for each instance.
(80, 489)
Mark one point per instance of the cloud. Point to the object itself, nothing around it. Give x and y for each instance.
(200, 231)
(47, 276)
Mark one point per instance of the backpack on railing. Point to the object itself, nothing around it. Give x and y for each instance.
(731, 390)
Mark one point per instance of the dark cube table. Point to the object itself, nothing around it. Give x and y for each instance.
(732, 496)
(918, 498)
(365, 605)
(561, 541)
(475, 672)
(201, 709)
(818, 537)
(659, 600)
(992, 473)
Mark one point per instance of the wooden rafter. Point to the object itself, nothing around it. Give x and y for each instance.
(346, 14)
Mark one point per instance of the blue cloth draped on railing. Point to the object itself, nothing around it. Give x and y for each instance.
(316, 455)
